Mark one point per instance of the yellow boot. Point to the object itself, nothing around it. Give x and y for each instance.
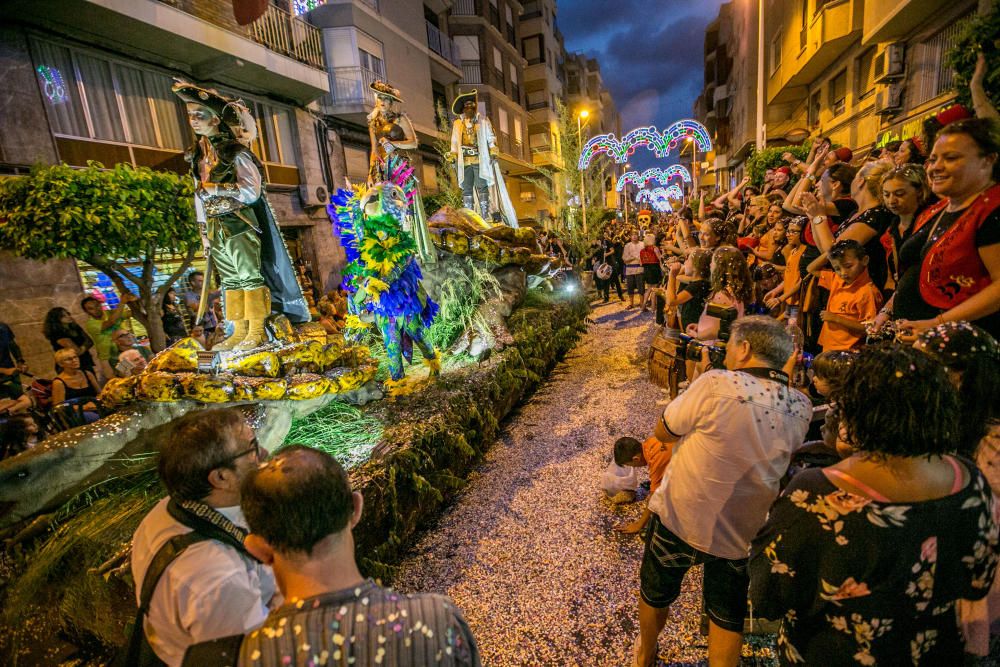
(235, 313)
(434, 364)
(257, 308)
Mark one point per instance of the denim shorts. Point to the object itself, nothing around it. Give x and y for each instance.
(666, 560)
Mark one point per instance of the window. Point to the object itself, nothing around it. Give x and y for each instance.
(517, 130)
(504, 121)
(531, 47)
(864, 70)
(814, 109)
(357, 163)
(513, 73)
(371, 62)
(838, 93)
(804, 25)
(511, 35)
(497, 59)
(776, 52)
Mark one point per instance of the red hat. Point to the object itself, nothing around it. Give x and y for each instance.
(955, 112)
(783, 170)
(844, 154)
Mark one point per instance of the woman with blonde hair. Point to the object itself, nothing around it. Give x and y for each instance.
(74, 384)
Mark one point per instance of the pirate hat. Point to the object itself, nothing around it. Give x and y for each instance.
(230, 111)
(381, 88)
(461, 99)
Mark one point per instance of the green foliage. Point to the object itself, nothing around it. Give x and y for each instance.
(104, 217)
(341, 430)
(448, 193)
(760, 161)
(58, 212)
(980, 34)
(467, 283)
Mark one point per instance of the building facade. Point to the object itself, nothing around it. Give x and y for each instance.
(862, 72)
(90, 80)
(585, 90)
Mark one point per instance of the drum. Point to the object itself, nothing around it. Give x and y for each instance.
(603, 271)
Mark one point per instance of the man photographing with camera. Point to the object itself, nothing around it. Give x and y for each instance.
(733, 433)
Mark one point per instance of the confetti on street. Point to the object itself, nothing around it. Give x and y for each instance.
(528, 551)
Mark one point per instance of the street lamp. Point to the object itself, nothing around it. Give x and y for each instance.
(624, 170)
(583, 113)
(694, 164)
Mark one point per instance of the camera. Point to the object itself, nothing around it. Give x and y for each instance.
(693, 348)
(726, 317)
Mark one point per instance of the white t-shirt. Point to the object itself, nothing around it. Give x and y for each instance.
(737, 435)
(209, 591)
(630, 255)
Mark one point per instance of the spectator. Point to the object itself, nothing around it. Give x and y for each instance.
(866, 226)
(905, 193)
(18, 433)
(863, 561)
(11, 364)
(854, 299)
(909, 152)
(951, 263)
(301, 512)
(74, 384)
(606, 254)
(731, 287)
(787, 293)
(690, 297)
(652, 274)
(972, 359)
(716, 232)
(173, 321)
(773, 240)
(131, 362)
(65, 334)
(729, 455)
(633, 268)
(213, 588)
(101, 327)
(830, 371)
(650, 453)
(125, 340)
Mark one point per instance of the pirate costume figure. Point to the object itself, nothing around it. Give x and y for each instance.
(392, 138)
(473, 147)
(241, 236)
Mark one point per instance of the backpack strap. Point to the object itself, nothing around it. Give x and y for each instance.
(222, 652)
(137, 650)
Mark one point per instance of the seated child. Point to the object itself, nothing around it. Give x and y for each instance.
(652, 453)
(854, 298)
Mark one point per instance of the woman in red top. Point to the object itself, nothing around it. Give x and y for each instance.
(955, 269)
(652, 274)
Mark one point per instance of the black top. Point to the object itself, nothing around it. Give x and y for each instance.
(858, 581)
(10, 353)
(879, 219)
(71, 393)
(691, 311)
(78, 337)
(908, 304)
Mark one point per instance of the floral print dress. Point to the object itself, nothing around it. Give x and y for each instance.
(861, 582)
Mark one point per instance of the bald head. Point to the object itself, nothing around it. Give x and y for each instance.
(298, 498)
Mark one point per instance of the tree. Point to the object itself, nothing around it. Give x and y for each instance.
(105, 217)
(980, 34)
(760, 161)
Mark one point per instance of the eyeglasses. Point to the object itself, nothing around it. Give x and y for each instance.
(229, 460)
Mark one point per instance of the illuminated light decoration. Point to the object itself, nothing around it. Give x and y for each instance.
(680, 131)
(303, 6)
(662, 176)
(672, 191)
(53, 84)
(660, 143)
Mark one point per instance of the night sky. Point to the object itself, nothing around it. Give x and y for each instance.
(651, 56)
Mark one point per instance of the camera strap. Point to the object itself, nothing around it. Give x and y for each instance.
(767, 374)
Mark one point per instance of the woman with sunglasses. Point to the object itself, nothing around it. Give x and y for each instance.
(951, 263)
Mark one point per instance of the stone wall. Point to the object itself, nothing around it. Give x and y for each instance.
(27, 291)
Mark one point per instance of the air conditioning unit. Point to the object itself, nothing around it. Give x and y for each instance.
(314, 194)
(890, 64)
(889, 100)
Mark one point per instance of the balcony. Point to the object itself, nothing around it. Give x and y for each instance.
(442, 44)
(278, 54)
(546, 156)
(890, 20)
(464, 8)
(471, 72)
(288, 35)
(831, 31)
(510, 146)
(349, 90)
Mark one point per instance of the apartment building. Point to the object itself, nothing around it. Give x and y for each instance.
(585, 90)
(403, 42)
(543, 48)
(727, 103)
(90, 80)
(488, 36)
(859, 71)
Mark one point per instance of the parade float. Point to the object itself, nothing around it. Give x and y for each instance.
(490, 314)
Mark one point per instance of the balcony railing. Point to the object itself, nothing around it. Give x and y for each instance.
(349, 85)
(285, 34)
(471, 72)
(442, 44)
(464, 8)
(532, 106)
(510, 146)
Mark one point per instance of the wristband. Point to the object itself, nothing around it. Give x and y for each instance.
(819, 219)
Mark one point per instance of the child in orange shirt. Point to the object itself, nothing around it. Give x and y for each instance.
(652, 453)
(853, 297)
